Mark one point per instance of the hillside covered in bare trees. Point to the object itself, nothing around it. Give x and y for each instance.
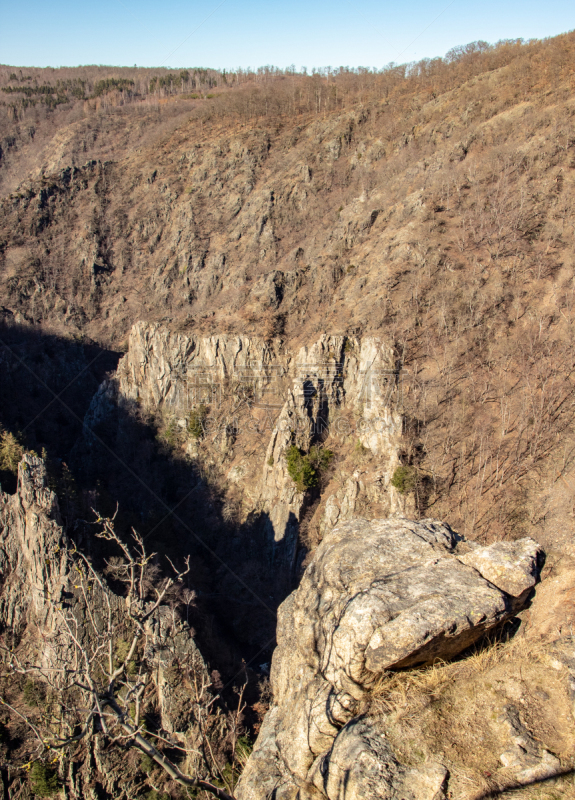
(418, 220)
(431, 203)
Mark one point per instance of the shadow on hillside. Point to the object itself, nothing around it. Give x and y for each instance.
(119, 458)
(46, 384)
(36, 367)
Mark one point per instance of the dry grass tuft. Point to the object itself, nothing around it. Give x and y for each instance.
(456, 713)
(403, 692)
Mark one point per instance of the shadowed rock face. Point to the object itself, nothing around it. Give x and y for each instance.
(379, 595)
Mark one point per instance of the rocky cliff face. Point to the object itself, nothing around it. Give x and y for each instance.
(384, 596)
(259, 399)
(33, 555)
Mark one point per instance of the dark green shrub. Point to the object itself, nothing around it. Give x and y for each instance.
(319, 458)
(43, 780)
(300, 470)
(404, 478)
(171, 433)
(304, 468)
(147, 763)
(232, 771)
(196, 421)
(154, 795)
(112, 84)
(244, 749)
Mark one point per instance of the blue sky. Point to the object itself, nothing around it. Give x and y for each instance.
(253, 33)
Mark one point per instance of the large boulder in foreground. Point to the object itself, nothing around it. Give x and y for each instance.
(379, 595)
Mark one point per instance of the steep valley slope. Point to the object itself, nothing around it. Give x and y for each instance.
(257, 323)
(438, 217)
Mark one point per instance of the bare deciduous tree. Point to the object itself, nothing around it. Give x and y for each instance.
(101, 683)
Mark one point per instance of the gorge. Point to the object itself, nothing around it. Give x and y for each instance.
(311, 343)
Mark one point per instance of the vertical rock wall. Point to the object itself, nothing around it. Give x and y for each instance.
(340, 392)
(33, 556)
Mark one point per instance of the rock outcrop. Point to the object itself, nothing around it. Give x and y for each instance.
(261, 398)
(378, 596)
(33, 556)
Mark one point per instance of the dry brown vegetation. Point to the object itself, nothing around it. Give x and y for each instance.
(431, 204)
(36, 103)
(456, 712)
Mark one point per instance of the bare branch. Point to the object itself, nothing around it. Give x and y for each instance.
(95, 695)
(31, 725)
